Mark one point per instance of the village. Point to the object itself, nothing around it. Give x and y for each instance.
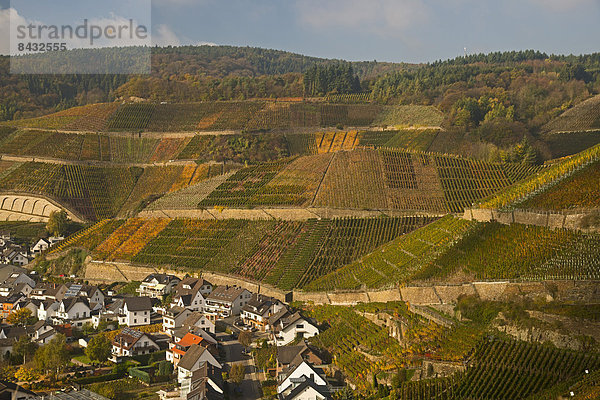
(198, 340)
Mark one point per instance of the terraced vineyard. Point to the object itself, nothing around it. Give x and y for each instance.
(584, 116)
(286, 254)
(495, 251)
(410, 115)
(92, 147)
(539, 182)
(94, 192)
(92, 117)
(398, 261)
(580, 190)
(568, 143)
(413, 139)
(245, 187)
(231, 115)
(189, 244)
(157, 181)
(506, 370)
(360, 348)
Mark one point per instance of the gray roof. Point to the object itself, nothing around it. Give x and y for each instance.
(82, 394)
(226, 293)
(7, 270)
(191, 356)
(138, 303)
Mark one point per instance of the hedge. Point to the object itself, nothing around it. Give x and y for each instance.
(99, 378)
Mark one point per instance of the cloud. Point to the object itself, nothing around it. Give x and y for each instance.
(8, 15)
(383, 17)
(162, 35)
(562, 5)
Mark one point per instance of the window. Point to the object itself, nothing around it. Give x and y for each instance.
(300, 326)
(145, 319)
(135, 321)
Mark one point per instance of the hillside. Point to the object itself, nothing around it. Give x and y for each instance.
(582, 117)
(579, 190)
(285, 254)
(230, 116)
(96, 192)
(385, 178)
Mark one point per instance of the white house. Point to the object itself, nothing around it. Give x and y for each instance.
(291, 327)
(225, 301)
(157, 285)
(191, 362)
(173, 318)
(189, 285)
(135, 311)
(44, 244)
(47, 310)
(194, 302)
(41, 332)
(74, 310)
(298, 375)
(130, 342)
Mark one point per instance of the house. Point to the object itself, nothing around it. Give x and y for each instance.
(258, 310)
(12, 391)
(44, 244)
(74, 310)
(130, 342)
(40, 246)
(8, 337)
(191, 293)
(289, 328)
(15, 256)
(92, 293)
(8, 302)
(48, 291)
(290, 356)
(19, 277)
(178, 348)
(205, 383)
(135, 311)
(7, 270)
(32, 304)
(191, 362)
(173, 318)
(181, 332)
(47, 309)
(189, 285)
(299, 375)
(199, 320)
(19, 288)
(194, 302)
(41, 332)
(306, 390)
(225, 301)
(157, 285)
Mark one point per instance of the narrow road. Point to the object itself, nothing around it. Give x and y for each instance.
(250, 386)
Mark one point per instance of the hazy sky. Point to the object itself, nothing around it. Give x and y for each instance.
(383, 30)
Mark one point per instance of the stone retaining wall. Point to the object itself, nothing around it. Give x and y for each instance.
(287, 214)
(567, 219)
(587, 292)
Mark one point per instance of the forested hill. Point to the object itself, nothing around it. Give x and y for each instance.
(527, 87)
(217, 72)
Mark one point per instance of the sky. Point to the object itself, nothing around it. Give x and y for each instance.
(383, 30)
